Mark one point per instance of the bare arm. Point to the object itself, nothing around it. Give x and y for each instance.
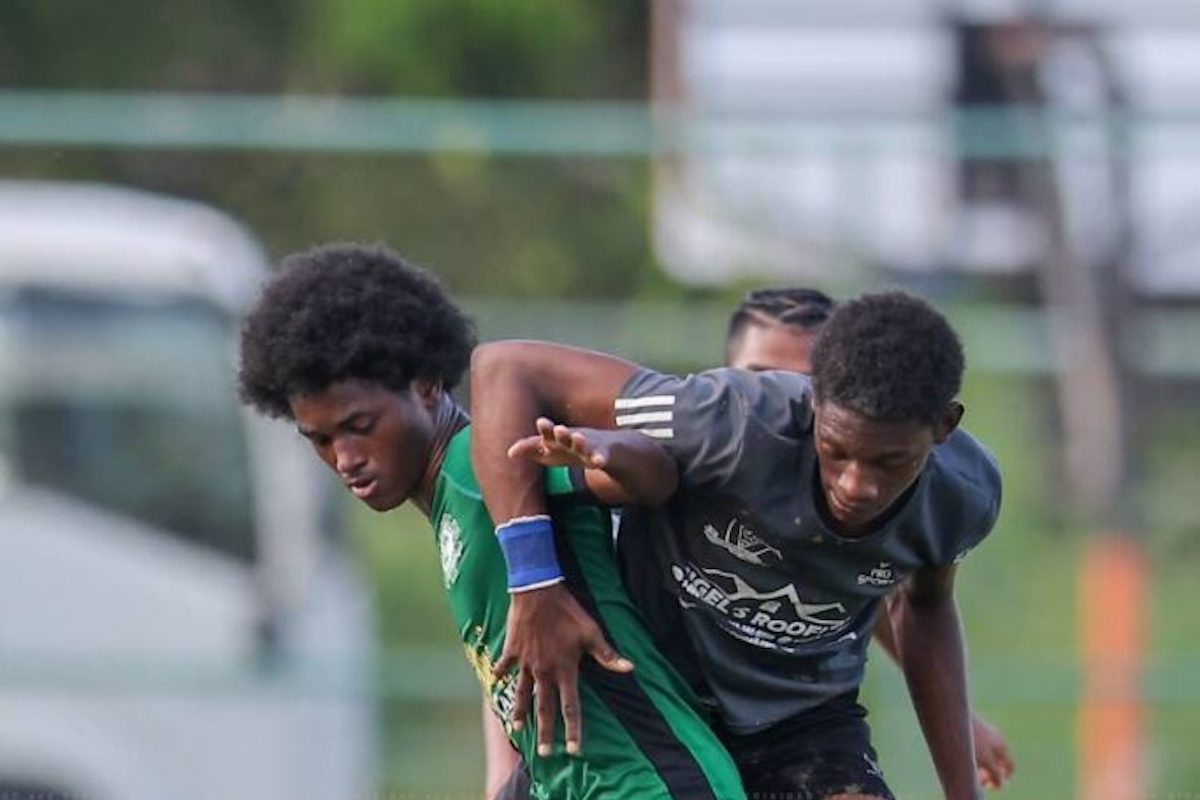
(993, 758)
(620, 467)
(883, 635)
(512, 384)
(929, 637)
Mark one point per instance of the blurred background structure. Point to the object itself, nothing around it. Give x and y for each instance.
(183, 604)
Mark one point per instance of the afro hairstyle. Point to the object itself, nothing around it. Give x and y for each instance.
(349, 312)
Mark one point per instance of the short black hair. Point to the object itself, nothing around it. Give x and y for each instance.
(349, 311)
(889, 356)
(797, 307)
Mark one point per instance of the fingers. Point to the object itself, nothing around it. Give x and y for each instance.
(524, 695)
(507, 661)
(558, 438)
(529, 447)
(992, 756)
(607, 657)
(1007, 767)
(568, 695)
(562, 437)
(544, 696)
(1004, 764)
(994, 772)
(583, 448)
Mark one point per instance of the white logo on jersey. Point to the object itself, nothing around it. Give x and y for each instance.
(743, 543)
(882, 575)
(776, 619)
(451, 548)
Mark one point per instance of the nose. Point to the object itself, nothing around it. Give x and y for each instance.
(856, 485)
(348, 459)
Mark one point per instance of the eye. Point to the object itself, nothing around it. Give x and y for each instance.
(316, 440)
(363, 427)
(832, 453)
(897, 461)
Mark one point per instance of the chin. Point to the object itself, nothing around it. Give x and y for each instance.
(382, 503)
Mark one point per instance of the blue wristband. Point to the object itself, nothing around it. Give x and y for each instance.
(528, 545)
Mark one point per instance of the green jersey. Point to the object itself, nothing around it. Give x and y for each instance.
(644, 736)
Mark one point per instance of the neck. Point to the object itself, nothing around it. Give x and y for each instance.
(448, 419)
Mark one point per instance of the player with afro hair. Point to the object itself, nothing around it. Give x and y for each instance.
(360, 349)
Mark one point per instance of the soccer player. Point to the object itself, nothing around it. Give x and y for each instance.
(775, 329)
(361, 349)
(771, 329)
(801, 506)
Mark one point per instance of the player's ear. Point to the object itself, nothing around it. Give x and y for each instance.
(428, 391)
(951, 416)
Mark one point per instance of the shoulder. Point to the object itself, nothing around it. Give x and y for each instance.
(965, 479)
(456, 476)
(773, 397)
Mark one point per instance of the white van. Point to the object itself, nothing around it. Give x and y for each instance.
(177, 619)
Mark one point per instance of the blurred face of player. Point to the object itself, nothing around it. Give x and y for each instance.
(376, 439)
(866, 465)
(771, 346)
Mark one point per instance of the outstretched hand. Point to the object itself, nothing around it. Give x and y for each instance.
(560, 446)
(548, 634)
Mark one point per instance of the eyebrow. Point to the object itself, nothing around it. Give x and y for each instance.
(895, 453)
(339, 425)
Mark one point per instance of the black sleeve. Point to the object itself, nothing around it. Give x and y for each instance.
(985, 485)
(709, 421)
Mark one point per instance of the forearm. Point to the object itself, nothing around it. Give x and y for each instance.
(504, 406)
(512, 384)
(930, 642)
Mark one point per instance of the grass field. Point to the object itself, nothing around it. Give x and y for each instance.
(1017, 593)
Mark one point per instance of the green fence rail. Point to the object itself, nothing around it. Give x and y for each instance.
(194, 121)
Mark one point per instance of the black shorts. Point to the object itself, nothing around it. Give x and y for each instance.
(814, 755)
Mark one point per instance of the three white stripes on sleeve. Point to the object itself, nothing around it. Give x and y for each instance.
(656, 410)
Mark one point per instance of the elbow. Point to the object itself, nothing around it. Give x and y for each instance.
(488, 357)
(491, 361)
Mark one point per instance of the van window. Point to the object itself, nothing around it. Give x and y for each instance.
(130, 406)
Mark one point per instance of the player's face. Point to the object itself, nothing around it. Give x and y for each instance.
(763, 347)
(376, 439)
(866, 465)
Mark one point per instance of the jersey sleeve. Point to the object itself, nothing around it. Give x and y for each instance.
(985, 485)
(710, 421)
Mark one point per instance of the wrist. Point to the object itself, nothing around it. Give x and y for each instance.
(529, 553)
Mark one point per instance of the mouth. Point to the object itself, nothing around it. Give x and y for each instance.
(362, 488)
(847, 511)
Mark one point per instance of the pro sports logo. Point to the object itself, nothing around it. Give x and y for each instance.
(881, 575)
